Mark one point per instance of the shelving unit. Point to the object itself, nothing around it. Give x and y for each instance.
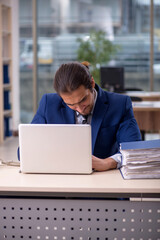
(6, 106)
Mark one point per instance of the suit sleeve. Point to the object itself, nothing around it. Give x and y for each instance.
(40, 114)
(128, 129)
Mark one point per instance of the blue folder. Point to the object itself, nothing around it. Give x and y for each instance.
(140, 144)
(5, 73)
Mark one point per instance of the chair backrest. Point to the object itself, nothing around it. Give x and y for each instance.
(133, 89)
(136, 99)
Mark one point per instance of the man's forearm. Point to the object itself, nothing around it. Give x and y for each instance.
(99, 164)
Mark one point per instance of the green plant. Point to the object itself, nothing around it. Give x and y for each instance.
(97, 50)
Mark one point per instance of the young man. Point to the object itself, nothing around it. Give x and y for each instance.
(79, 100)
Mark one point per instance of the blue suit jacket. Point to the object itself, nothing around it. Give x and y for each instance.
(113, 120)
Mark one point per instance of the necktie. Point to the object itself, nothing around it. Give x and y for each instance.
(84, 121)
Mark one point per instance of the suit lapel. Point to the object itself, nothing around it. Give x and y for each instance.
(99, 112)
(68, 114)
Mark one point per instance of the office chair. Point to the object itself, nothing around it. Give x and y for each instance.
(133, 89)
(136, 99)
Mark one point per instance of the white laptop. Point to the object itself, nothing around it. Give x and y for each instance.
(55, 148)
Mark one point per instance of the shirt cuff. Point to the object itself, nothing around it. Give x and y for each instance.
(118, 158)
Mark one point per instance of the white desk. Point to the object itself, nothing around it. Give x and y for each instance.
(106, 184)
(145, 96)
(46, 206)
(146, 106)
(147, 114)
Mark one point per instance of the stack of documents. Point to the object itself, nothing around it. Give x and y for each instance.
(140, 159)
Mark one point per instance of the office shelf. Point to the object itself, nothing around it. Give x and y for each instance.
(5, 71)
(7, 86)
(7, 113)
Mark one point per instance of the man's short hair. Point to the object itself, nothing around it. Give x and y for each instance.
(71, 76)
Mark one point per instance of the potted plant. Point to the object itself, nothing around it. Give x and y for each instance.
(97, 50)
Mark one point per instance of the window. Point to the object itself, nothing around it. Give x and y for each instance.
(61, 22)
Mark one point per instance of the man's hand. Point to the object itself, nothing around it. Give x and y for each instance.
(99, 164)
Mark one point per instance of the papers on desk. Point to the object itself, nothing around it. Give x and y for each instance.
(140, 159)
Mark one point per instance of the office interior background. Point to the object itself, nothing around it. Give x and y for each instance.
(61, 22)
(53, 27)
